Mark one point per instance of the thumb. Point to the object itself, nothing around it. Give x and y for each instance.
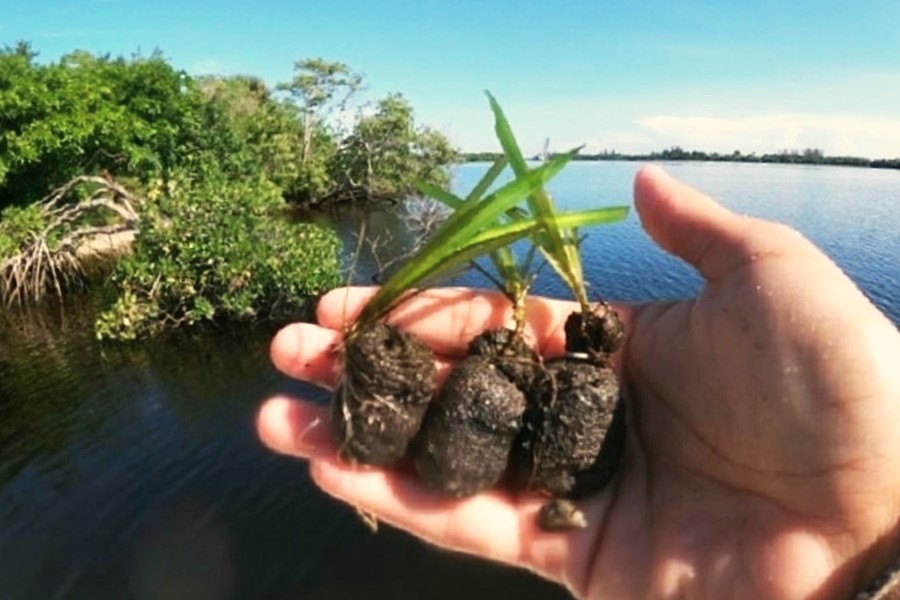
(689, 224)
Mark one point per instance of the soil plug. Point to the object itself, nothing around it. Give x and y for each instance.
(465, 441)
(582, 421)
(388, 380)
(578, 443)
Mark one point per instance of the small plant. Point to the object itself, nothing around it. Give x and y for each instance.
(501, 404)
(388, 377)
(577, 426)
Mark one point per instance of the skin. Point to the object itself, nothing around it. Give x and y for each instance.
(762, 458)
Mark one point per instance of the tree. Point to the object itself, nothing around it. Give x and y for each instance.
(265, 131)
(320, 87)
(86, 114)
(386, 154)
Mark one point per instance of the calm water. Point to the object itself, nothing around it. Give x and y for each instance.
(852, 214)
(135, 472)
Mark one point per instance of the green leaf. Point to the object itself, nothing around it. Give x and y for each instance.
(572, 219)
(559, 246)
(454, 237)
(487, 180)
(440, 194)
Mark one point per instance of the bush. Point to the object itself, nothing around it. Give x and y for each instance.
(17, 225)
(214, 250)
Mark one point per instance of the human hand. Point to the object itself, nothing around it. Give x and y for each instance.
(761, 458)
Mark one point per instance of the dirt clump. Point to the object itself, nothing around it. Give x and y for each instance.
(600, 332)
(469, 430)
(560, 514)
(378, 406)
(582, 427)
(557, 426)
(576, 431)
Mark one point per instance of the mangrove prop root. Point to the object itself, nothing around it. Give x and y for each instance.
(388, 381)
(49, 263)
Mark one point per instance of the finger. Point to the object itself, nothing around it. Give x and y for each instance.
(490, 524)
(311, 353)
(446, 319)
(699, 230)
(308, 352)
(295, 428)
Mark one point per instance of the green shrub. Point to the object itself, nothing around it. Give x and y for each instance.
(17, 225)
(214, 250)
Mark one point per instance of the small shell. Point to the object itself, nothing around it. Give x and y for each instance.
(560, 514)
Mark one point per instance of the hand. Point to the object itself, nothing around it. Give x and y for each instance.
(762, 459)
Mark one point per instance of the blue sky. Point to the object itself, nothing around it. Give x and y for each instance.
(630, 76)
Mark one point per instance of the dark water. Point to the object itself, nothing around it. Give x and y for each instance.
(135, 471)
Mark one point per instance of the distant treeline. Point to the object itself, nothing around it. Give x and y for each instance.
(809, 156)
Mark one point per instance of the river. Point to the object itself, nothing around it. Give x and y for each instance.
(135, 472)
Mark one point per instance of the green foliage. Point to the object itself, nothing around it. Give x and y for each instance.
(388, 155)
(469, 231)
(17, 225)
(383, 154)
(487, 223)
(86, 114)
(321, 85)
(558, 245)
(251, 131)
(218, 249)
(141, 118)
(215, 157)
(548, 230)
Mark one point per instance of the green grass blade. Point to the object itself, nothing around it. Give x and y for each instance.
(558, 246)
(591, 217)
(485, 242)
(503, 258)
(453, 201)
(487, 180)
(507, 138)
(455, 234)
(440, 194)
(571, 219)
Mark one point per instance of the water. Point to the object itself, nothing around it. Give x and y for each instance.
(135, 471)
(852, 214)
